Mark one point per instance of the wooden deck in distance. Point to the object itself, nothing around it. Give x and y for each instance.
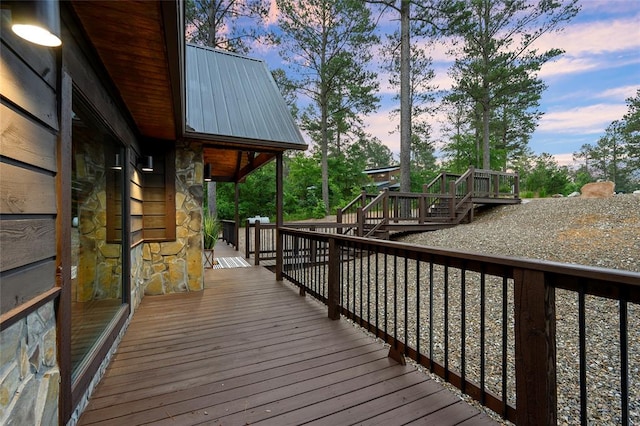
(250, 350)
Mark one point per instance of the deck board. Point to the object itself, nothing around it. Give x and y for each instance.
(250, 350)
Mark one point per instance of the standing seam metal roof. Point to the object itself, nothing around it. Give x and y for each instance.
(236, 96)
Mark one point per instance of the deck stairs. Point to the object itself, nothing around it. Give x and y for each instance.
(446, 201)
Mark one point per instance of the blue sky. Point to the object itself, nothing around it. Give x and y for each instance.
(587, 86)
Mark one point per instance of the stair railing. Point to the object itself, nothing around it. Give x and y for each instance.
(349, 213)
(461, 192)
(374, 216)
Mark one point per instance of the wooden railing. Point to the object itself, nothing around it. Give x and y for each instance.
(260, 239)
(497, 328)
(349, 213)
(448, 198)
(230, 233)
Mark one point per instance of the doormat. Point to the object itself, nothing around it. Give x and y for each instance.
(230, 262)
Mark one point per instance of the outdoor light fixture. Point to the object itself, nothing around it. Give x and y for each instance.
(207, 172)
(117, 164)
(37, 21)
(146, 163)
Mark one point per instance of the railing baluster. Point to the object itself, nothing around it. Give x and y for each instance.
(395, 300)
(483, 302)
(624, 360)
(386, 295)
(377, 291)
(361, 284)
(463, 331)
(582, 350)
(406, 306)
(368, 290)
(431, 314)
(505, 402)
(446, 322)
(418, 354)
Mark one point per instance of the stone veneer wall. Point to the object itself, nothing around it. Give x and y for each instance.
(176, 266)
(29, 374)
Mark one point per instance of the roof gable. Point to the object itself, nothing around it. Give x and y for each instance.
(232, 97)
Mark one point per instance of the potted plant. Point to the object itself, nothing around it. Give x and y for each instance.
(211, 227)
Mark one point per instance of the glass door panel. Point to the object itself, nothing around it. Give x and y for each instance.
(96, 234)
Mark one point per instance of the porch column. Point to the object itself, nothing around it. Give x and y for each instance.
(279, 215)
(236, 237)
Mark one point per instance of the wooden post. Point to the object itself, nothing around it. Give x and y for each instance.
(339, 220)
(333, 287)
(535, 349)
(452, 201)
(516, 185)
(360, 232)
(279, 215)
(385, 205)
(237, 218)
(247, 240)
(256, 245)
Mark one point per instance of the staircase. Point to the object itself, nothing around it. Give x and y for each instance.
(446, 201)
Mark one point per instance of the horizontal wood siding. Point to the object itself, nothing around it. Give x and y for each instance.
(28, 165)
(26, 142)
(135, 204)
(26, 191)
(158, 195)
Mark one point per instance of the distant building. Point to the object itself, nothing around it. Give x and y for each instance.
(386, 177)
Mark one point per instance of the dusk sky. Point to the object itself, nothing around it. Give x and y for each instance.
(587, 86)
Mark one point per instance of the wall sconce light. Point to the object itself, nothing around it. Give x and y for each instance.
(207, 172)
(37, 21)
(146, 163)
(117, 164)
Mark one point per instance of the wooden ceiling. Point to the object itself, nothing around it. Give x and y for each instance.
(233, 165)
(132, 39)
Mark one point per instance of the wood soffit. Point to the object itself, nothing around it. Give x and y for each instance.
(233, 165)
(129, 38)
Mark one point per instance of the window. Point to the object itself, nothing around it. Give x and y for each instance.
(98, 170)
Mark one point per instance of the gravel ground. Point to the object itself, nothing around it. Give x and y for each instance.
(595, 232)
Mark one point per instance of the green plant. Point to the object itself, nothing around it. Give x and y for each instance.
(211, 228)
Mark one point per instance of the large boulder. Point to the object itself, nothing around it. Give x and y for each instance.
(598, 190)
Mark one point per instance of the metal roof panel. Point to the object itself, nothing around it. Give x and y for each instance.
(235, 96)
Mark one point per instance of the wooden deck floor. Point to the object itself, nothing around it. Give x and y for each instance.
(249, 350)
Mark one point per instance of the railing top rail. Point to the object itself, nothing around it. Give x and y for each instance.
(299, 225)
(496, 172)
(356, 200)
(375, 201)
(416, 195)
(562, 275)
(435, 180)
(464, 176)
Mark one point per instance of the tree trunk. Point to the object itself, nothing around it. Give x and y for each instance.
(405, 100)
(486, 158)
